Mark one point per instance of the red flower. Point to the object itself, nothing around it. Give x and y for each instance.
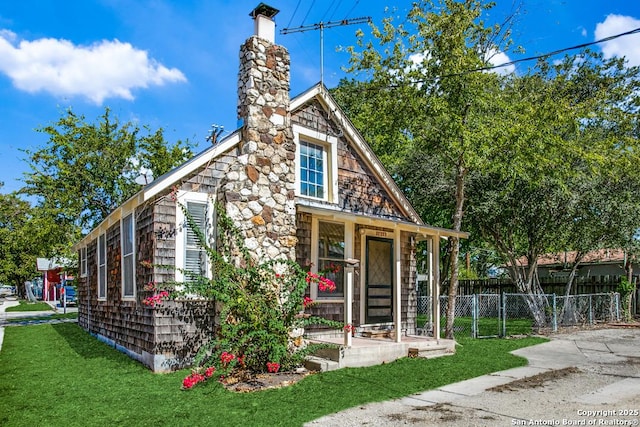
(226, 358)
(209, 372)
(273, 367)
(307, 302)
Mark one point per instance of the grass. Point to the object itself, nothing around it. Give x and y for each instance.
(30, 306)
(60, 375)
(487, 326)
(49, 317)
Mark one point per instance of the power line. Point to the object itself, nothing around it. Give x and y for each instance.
(294, 13)
(530, 58)
(556, 52)
(308, 11)
(351, 10)
(328, 9)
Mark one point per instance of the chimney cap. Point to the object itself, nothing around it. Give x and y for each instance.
(265, 10)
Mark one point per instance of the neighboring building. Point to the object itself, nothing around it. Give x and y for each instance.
(299, 181)
(598, 264)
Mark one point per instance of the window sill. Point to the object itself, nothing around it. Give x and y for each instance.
(339, 300)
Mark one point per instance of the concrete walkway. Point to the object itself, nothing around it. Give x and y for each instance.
(11, 302)
(578, 378)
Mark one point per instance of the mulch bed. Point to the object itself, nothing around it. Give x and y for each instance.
(244, 383)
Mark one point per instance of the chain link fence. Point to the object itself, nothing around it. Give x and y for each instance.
(492, 315)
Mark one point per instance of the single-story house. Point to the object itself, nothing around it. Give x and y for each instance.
(298, 180)
(594, 264)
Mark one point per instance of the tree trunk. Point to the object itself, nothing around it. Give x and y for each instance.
(455, 249)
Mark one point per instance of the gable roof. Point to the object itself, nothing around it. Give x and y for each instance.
(322, 95)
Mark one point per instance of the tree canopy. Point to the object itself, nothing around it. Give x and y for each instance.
(86, 170)
(528, 162)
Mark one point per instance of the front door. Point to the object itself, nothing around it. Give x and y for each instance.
(379, 280)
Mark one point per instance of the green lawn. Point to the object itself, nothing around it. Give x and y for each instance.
(49, 317)
(59, 375)
(487, 326)
(30, 306)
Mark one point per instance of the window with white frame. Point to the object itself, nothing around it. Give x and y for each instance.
(331, 252)
(313, 158)
(102, 266)
(127, 242)
(83, 262)
(198, 222)
(316, 164)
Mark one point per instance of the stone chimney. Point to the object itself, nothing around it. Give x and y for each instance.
(259, 192)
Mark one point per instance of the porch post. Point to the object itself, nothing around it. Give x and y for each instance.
(397, 298)
(348, 301)
(434, 260)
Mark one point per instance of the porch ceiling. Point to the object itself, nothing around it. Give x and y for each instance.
(421, 230)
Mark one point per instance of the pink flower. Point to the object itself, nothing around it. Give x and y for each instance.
(226, 358)
(209, 372)
(273, 367)
(325, 284)
(306, 302)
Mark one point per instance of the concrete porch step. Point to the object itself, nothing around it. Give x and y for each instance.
(434, 351)
(373, 351)
(315, 363)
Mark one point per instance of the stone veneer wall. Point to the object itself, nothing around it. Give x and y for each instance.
(258, 192)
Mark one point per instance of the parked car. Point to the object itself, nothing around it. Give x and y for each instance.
(6, 290)
(68, 292)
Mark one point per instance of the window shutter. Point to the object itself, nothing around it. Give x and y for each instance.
(195, 260)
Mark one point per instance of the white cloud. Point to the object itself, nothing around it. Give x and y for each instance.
(106, 69)
(498, 58)
(627, 46)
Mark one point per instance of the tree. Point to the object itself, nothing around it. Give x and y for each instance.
(86, 170)
(422, 68)
(577, 189)
(25, 234)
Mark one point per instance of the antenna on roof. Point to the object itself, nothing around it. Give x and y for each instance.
(214, 133)
(321, 26)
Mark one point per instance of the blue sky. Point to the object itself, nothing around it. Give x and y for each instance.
(173, 64)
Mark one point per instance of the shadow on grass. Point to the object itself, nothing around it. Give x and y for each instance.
(87, 346)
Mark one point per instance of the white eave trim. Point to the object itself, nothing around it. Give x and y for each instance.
(159, 185)
(163, 182)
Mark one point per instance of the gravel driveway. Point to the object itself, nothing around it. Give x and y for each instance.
(578, 378)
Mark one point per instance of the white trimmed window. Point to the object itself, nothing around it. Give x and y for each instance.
(313, 176)
(83, 262)
(102, 267)
(316, 164)
(127, 242)
(331, 255)
(192, 260)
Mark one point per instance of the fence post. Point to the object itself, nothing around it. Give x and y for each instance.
(617, 299)
(555, 314)
(474, 316)
(503, 296)
(590, 309)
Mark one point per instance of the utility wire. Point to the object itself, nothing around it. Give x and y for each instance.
(308, 11)
(335, 10)
(351, 10)
(328, 9)
(294, 13)
(530, 58)
(556, 52)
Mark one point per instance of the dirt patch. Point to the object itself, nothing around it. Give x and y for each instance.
(535, 380)
(246, 383)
